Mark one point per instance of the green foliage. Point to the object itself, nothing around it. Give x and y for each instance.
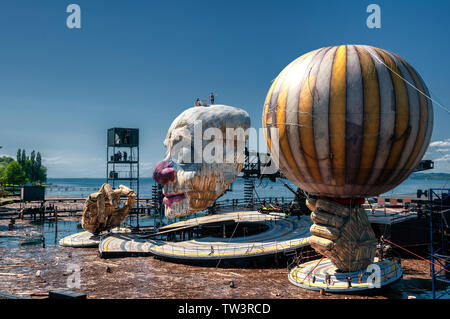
(14, 174)
(31, 169)
(4, 161)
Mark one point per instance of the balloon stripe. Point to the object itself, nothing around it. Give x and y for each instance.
(337, 117)
(429, 122)
(401, 118)
(297, 77)
(354, 119)
(279, 118)
(286, 163)
(387, 119)
(306, 118)
(282, 131)
(267, 118)
(414, 118)
(273, 107)
(321, 118)
(371, 115)
(422, 124)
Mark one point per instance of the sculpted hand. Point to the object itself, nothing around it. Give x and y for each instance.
(342, 234)
(101, 210)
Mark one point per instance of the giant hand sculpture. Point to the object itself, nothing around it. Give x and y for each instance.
(342, 233)
(205, 153)
(102, 210)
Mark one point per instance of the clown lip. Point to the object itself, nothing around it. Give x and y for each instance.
(171, 198)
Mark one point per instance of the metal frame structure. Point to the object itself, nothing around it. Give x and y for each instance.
(439, 238)
(126, 140)
(157, 203)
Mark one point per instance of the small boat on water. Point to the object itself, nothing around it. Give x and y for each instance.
(32, 239)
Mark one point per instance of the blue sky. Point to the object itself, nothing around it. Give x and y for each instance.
(140, 63)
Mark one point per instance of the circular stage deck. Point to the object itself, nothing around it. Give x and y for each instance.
(86, 239)
(390, 272)
(282, 235)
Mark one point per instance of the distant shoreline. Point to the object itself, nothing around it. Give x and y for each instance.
(430, 176)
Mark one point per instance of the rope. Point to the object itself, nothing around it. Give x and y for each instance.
(323, 256)
(412, 85)
(431, 263)
(232, 235)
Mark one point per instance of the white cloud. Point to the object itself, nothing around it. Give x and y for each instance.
(440, 156)
(55, 160)
(444, 143)
(446, 157)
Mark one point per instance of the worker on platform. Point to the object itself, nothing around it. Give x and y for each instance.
(349, 281)
(328, 278)
(211, 97)
(381, 248)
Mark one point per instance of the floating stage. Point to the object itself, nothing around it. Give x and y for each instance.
(88, 240)
(311, 275)
(280, 235)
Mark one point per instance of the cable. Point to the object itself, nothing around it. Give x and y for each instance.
(323, 256)
(412, 85)
(431, 263)
(235, 228)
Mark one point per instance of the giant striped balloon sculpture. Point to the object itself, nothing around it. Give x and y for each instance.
(352, 120)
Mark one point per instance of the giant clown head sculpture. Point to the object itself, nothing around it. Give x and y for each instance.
(205, 153)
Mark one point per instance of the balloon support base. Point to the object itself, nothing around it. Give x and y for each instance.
(389, 272)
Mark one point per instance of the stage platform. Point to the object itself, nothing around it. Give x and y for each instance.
(283, 234)
(88, 240)
(303, 277)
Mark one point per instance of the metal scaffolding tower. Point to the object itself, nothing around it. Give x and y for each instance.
(122, 158)
(439, 208)
(157, 203)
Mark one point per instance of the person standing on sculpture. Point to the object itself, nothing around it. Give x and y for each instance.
(211, 97)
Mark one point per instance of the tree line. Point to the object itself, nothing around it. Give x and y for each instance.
(25, 169)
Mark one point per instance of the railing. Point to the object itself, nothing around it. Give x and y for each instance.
(9, 190)
(393, 273)
(250, 249)
(243, 203)
(230, 249)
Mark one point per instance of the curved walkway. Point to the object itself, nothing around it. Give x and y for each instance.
(86, 239)
(282, 235)
(390, 272)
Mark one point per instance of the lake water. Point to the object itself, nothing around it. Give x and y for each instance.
(82, 187)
